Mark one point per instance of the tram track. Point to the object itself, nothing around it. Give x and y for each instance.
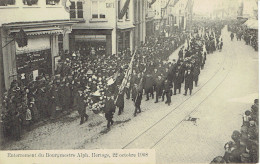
(219, 70)
(196, 108)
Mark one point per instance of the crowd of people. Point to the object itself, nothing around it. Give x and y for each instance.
(245, 144)
(93, 81)
(240, 31)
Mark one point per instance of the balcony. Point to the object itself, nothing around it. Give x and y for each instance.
(150, 13)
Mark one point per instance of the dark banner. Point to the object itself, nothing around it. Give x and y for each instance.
(38, 60)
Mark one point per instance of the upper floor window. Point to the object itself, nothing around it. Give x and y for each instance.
(98, 9)
(76, 9)
(52, 2)
(7, 2)
(30, 2)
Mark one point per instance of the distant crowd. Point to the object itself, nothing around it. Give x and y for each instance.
(245, 143)
(250, 36)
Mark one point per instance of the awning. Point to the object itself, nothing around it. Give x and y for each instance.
(39, 31)
(124, 27)
(251, 24)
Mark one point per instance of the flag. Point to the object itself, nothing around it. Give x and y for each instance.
(127, 75)
(112, 79)
(124, 9)
(21, 38)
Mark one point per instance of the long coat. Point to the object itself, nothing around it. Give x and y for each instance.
(196, 73)
(138, 99)
(148, 83)
(177, 81)
(79, 104)
(67, 95)
(159, 86)
(188, 81)
(167, 86)
(120, 100)
(109, 106)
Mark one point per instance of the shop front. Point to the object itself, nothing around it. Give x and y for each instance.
(88, 43)
(34, 59)
(125, 37)
(88, 40)
(37, 56)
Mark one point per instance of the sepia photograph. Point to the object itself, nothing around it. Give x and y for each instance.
(175, 81)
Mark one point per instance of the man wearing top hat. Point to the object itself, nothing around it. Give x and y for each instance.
(188, 82)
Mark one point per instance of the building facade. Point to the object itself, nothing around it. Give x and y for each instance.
(160, 18)
(111, 25)
(182, 12)
(46, 27)
(140, 8)
(150, 14)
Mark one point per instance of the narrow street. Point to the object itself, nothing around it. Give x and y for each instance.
(226, 89)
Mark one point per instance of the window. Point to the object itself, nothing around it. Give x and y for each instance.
(52, 2)
(30, 2)
(98, 9)
(76, 9)
(7, 2)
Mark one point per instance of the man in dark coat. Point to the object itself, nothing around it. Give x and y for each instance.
(180, 54)
(158, 88)
(109, 110)
(188, 82)
(137, 98)
(120, 102)
(167, 91)
(66, 97)
(148, 86)
(80, 105)
(177, 82)
(196, 72)
(16, 126)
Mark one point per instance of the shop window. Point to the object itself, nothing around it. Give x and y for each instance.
(98, 10)
(52, 2)
(7, 2)
(76, 9)
(30, 2)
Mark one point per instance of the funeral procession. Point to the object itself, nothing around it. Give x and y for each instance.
(176, 76)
